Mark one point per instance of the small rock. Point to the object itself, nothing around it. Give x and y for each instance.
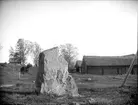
(91, 101)
(33, 81)
(89, 79)
(78, 103)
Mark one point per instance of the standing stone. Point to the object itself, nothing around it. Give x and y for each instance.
(53, 76)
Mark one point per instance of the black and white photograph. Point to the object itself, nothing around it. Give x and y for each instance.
(68, 52)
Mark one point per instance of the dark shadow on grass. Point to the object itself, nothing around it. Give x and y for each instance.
(87, 89)
(18, 92)
(7, 103)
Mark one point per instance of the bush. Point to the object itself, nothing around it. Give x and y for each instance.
(29, 65)
(3, 64)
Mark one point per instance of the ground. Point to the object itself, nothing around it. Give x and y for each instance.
(93, 90)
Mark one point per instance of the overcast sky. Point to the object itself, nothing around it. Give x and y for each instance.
(96, 28)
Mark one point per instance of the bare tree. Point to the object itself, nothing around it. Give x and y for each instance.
(22, 49)
(70, 54)
(11, 54)
(36, 50)
(11, 51)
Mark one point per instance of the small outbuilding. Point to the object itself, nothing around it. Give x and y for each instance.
(78, 66)
(104, 65)
(14, 61)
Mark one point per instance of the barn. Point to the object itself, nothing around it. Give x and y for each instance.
(14, 61)
(78, 66)
(107, 65)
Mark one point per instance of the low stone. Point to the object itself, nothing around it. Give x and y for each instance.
(91, 101)
(89, 79)
(53, 76)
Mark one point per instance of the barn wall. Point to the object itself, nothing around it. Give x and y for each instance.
(110, 71)
(123, 70)
(106, 70)
(94, 70)
(134, 70)
(102, 70)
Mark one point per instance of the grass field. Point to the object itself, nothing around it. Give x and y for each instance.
(93, 90)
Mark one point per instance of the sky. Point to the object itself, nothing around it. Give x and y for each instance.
(102, 28)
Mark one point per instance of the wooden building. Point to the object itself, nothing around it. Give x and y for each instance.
(104, 65)
(78, 66)
(14, 61)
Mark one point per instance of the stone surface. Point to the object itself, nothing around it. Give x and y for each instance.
(92, 101)
(53, 76)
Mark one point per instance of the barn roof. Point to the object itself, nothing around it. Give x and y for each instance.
(108, 60)
(13, 60)
(78, 63)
